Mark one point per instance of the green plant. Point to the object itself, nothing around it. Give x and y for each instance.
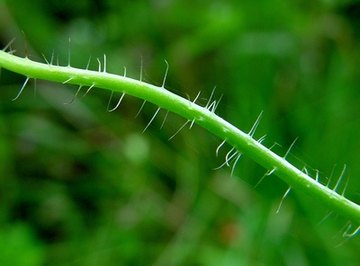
(18, 246)
(242, 143)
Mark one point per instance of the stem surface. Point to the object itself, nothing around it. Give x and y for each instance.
(165, 99)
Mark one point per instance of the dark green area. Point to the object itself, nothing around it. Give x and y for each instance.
(81, 186)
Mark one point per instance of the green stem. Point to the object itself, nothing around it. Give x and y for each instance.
(159, 96)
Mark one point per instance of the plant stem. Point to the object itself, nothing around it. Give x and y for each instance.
(159, 96)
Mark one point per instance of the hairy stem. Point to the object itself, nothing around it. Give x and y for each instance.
(203, 116)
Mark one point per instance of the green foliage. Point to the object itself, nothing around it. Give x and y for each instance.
(67, 170)
(18, 247)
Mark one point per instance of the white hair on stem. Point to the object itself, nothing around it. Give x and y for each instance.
(152, 119)
(22, 89)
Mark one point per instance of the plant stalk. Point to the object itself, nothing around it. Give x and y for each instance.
(202, 116)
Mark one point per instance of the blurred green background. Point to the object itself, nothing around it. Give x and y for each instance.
(81, 186)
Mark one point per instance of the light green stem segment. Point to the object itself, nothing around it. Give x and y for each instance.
(159, 96)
